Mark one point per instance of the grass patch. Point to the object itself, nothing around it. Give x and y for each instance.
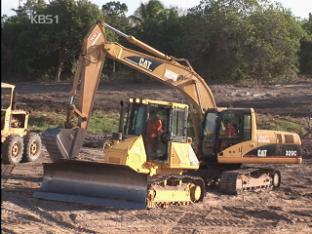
(40, 120)
(100, 123)
(281, 124)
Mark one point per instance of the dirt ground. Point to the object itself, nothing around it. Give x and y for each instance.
(287, 210)
(293, 99)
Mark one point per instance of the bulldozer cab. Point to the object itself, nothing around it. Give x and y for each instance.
(7, 104)
(13, 121)
(224, 128)
(160, 123)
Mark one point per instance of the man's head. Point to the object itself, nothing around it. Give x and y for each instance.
(226, 122)
(153, 114)
(157, 116)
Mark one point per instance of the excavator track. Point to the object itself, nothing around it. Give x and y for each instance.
(251, 179)
(164, 191)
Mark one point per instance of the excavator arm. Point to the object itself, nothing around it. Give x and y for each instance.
(176, 73)
(158, 66)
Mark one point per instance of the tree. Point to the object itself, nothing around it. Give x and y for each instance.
(114, 13)
(155, 24)
(306, 48)
(18, 46)
(63, 39)
(33, 49)
(243, 39)
(225, 40)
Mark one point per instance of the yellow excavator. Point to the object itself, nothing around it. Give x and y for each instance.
(136, 172)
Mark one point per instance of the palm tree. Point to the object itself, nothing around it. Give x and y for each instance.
(147, 12)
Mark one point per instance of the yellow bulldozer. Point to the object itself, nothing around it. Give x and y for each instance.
(152, 160)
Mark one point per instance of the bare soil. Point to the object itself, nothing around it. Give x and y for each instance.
(286, 210)
(293, 99)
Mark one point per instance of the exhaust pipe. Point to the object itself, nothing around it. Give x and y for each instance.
(62, 143)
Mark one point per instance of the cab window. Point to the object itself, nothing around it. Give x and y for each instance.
(209, 134)
(6, 96)
(179, 124)
(137, 120)
(247, 127)
(234, 127)
(229, 126)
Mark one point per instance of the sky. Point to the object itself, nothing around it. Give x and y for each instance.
(299, 8)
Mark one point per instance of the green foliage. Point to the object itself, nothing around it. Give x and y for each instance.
(156, 25)
(243, 39)
(38, 50)
(306, 48)
(114, 14)
(308, 25)
(224, 40)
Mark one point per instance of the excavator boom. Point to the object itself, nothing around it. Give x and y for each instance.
(66, 143)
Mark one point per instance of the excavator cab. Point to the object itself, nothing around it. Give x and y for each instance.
(230, 136)
(223, 129)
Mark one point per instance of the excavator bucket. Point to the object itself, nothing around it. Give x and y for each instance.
(63, 143)
(92, 183)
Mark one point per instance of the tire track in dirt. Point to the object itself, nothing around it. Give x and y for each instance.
(218, 213)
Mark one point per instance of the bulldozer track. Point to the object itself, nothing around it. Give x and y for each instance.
(159, 180)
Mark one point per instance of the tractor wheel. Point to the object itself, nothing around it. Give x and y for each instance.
(32, 147)
(12, 150)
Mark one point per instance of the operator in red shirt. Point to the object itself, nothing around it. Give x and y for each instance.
(230, 130)
(154, 130)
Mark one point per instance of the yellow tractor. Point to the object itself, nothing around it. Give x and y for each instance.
(170, 167)
(17, 142)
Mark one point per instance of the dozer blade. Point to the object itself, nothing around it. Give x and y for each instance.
(62, 143)
(93, 183)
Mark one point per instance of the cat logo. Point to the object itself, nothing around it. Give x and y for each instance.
(145, 63)
(262, 153)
